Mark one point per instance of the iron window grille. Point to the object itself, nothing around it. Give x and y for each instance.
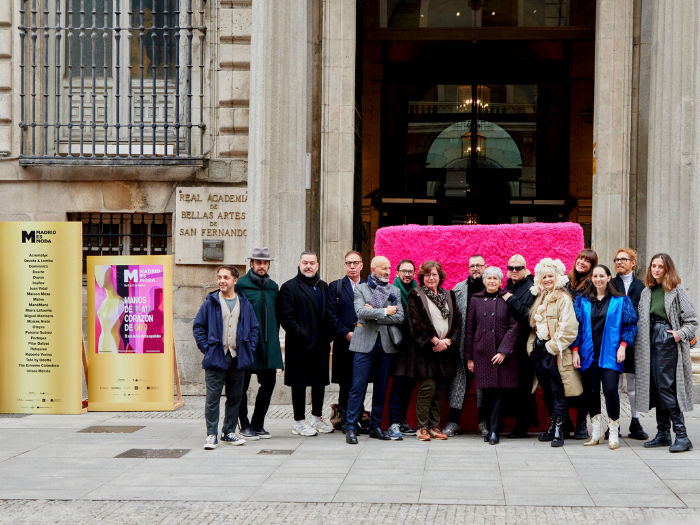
(118, 82)
(125, 234)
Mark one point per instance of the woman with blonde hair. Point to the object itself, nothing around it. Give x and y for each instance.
(664, 373)
(554, 328)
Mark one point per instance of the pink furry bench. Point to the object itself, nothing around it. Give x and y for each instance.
(452, 245)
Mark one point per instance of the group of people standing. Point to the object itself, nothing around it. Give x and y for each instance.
(573, 334)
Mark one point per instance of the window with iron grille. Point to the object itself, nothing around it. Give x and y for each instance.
(125, 233)
(112, 81)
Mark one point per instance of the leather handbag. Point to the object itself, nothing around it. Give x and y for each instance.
(395, 334)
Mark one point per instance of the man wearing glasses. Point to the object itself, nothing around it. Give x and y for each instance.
(459, 385)
(401, 385)
(626, 283)
(519, 300)
(342, 318)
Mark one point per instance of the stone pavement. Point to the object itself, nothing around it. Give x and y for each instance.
(461, 480)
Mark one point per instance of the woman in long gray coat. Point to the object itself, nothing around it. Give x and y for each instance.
(667, 324)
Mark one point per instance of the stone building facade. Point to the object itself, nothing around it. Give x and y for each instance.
(284, 100)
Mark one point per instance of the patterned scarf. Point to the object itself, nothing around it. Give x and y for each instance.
(381, 292)
(439, 299)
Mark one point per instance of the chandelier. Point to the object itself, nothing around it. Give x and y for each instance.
(467, 145)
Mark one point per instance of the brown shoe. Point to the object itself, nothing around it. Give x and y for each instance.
(436, 432)
(423, 434)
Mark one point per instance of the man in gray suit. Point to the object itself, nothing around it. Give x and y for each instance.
(379, 314)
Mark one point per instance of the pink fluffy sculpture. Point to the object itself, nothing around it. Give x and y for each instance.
(452, 245)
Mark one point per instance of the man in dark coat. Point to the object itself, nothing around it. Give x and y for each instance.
(519, 299)
(226, 332)
(301, 309)
(626, 283)
(262, 292)
(342, 318)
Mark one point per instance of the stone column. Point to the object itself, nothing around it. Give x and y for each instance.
(673, 184)
(611, 126)
(337, 134)
(278, 132)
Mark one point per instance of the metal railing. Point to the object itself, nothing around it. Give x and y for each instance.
(117, 84)
(125, 233)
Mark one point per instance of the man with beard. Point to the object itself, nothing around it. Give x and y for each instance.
(459, 386)
(301, 309)
(262, 292)
(402, 386)
(342, 317)
(519, 299)
(625, 282)
(379, 313)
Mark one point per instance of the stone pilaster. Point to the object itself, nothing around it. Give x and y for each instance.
(337, 134)
(612, 125)
(278, 132)
(673, 185)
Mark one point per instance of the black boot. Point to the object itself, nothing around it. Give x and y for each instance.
(636, 430)
(568, 426)
(558, 440)
(493, 438)
(581, 425)
(549, 435)
(663, 430)
(682, 442)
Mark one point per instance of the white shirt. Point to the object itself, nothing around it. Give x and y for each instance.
(353, 283)
(627, 281)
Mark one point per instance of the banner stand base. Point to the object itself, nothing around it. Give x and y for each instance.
(85, 372)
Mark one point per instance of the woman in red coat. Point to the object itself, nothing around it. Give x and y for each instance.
(489, 346)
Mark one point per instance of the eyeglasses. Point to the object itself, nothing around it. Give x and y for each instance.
(406, 272)
(476, 266)
(515, 268)
(621, 259)
(353, 263)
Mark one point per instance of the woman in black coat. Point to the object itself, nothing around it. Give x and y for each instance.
(489, 347)
(434, 321)
(301, 306)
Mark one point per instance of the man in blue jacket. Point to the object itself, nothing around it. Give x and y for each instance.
(226, 332)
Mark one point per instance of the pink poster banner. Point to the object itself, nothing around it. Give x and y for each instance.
(129, 309)
(452, 245)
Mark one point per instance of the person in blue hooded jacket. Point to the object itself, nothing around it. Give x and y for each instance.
(607, 326)
(226, 332)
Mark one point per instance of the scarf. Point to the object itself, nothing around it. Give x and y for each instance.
(404, 295)
(474, 286)
(381, 292)
(309, 281)
(260, 282)
(439, 299)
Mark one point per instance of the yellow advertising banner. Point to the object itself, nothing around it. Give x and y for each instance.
(130, 333)
(40, 317)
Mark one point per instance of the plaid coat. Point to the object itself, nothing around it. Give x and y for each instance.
(685, 322)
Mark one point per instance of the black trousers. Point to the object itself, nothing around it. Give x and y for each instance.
(455, 414)
(299, 401)
(267, 380)
(593, 378)
(400, 397)
(232, 379)
(492, 403)
(547, 371)
(664, 358)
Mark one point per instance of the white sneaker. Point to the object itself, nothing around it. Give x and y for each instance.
(211, 443)
(231, 439)
(301, 428)
(321, 426)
